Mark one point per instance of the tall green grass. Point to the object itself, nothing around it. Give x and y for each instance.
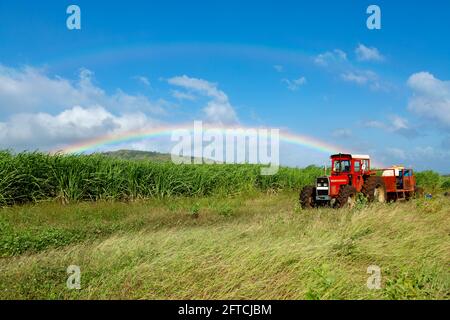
(31, 177)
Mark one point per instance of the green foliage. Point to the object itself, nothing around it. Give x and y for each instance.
(429, 180)
(32, 177)
(194, 209)
(361, 201)
(409, 285)
(324, 279)
(13, 242)
(446, 184)
(225, 209)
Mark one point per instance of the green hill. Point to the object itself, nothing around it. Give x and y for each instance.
(138, 155)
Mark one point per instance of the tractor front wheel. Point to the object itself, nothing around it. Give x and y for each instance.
(346, 197)
(308, 197)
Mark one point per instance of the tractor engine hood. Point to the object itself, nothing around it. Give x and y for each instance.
(337, 180)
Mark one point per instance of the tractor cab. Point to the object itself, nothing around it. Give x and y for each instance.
(349, 169)
(349, 164)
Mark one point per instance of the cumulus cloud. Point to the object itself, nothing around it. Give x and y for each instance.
(31, 89)
(218, 108)
(39, 111)
(395, 124)
(293, 85)
(42, 112)
(45, 131)
(364, 53)
(183, 95)
(329, 57)
(336, 61)
(430, 98)
(364, 77)
(359, 78)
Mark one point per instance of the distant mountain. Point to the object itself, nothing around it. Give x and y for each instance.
(139, 155)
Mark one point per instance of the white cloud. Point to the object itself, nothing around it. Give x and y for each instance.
(329, 57)
(364, 77)
(183, 95)
(395, 124)
(431, 98)
(336, 61)
(45, 131)
(354, 77)
(364, 53)
(42, 112)
(278, 68)
(399, 123)
(30, 89)
(45, 112)
(293, 85)
(218, 109)
(143, 80)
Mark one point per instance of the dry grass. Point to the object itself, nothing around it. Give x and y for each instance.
(252, 247)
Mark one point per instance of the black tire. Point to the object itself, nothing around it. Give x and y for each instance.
(374, 189)
(308, 197)
(346, 197)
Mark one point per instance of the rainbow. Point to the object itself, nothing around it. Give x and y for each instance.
(166, 131)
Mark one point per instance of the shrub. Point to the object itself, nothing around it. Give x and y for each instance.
(429, 180)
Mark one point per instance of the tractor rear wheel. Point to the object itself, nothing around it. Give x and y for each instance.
(346, 197)
(308, 197)
(374, 189)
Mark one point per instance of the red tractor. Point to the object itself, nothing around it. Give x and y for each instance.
(351, 174)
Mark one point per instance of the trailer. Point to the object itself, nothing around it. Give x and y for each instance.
(400, 183)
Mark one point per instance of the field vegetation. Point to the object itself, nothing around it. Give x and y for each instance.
(208, 232)
(34, 177)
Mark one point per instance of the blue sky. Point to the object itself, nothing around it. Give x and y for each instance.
(311, 68)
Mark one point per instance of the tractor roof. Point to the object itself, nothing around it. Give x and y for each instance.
(360, 156)
(354, 156)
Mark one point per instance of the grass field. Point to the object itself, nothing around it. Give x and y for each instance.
(254, 245)
(155, 230)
